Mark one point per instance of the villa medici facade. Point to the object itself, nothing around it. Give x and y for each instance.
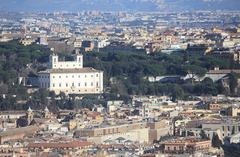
(71, 77)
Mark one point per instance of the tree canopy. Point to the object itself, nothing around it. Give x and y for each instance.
(125, 74)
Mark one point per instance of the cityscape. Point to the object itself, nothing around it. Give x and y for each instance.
(138, 78)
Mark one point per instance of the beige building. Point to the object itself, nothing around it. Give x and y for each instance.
(138, 135)
(18, 133)
(6, 115)
(137, 132)
(71, 77)
(233, 111)
(226, 128)
(185, 145)
(27, 41)
(238, 29)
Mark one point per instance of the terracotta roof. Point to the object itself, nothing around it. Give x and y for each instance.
(184, 140)
(38, 120)
(43, 120)
(73, 144)
(93, 114)
(226, 71)
(24, 130)
(79, 70)
(106, 146)
(12, 112)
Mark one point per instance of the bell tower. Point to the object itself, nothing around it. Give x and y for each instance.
(53, 59)
(29, 115)
(47, 113)
(78, 58)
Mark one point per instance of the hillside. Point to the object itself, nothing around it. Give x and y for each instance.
(124, 74)
(118, 5)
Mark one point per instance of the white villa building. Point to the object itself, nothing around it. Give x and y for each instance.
(71, 77)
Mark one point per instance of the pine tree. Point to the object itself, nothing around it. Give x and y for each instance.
(203, 135)
(216, 142)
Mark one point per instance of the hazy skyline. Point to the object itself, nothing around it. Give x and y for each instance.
(118, 5)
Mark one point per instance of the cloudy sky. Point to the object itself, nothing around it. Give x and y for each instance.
(117, 5)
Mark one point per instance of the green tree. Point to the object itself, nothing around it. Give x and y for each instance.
(195, 71)
(216, 142)
(203, 135)
(233, 82)
(177, 92)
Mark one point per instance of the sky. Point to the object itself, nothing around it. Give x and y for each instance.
(118, 5)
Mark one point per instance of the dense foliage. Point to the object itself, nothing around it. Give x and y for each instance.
(17, 60)
(125, 73)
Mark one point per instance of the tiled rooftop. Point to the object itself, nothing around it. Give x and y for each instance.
(79, 70)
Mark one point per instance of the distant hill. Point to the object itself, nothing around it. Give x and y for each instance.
(118, 5)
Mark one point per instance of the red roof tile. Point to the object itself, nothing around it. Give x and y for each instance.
(73, 144)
